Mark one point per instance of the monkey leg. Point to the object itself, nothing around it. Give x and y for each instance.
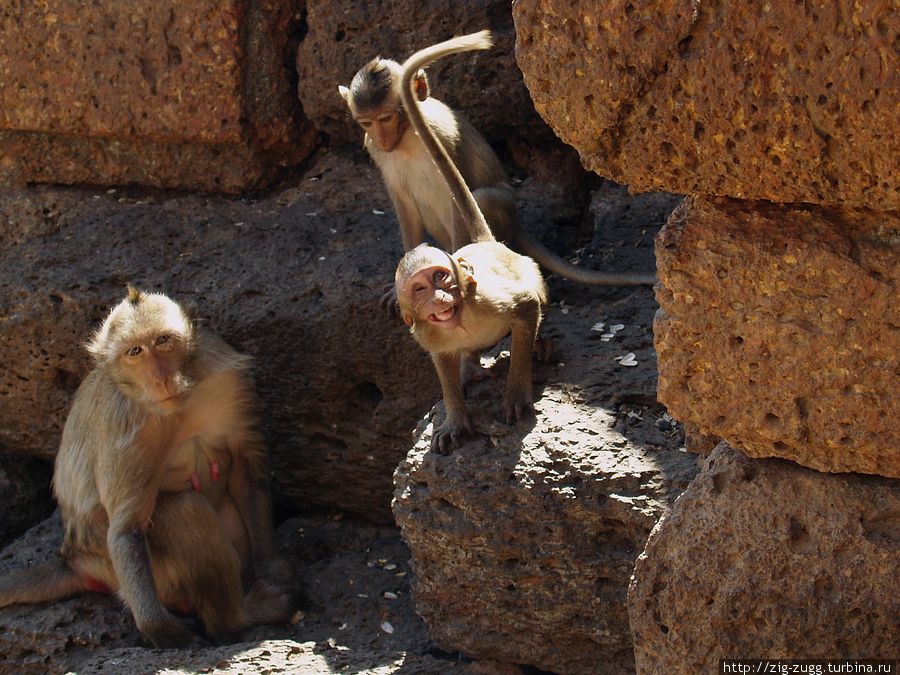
(519, 400)
(195, 565)
(457, 423)
(43, 583)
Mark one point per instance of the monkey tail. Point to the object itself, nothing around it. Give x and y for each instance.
(465, 202)
(44, 583)
(527, 244)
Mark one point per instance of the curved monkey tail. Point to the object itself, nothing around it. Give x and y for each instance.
(472, 216)
(525, 243)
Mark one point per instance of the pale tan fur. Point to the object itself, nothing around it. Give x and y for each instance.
(460, 303)
(141, 425)
(418, 192)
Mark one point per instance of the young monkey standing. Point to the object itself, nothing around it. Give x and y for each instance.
(458, 304)
(418, 191)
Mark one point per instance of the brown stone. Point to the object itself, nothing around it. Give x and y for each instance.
(524, 538)
(765, 559)
(158, 93)
(778, 330)
(278, 277)
(790, 102)
(697, 442)
(335, 564)
(487, 85)
(293, 277)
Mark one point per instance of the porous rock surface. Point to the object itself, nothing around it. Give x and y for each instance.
(778, 330)
(293, 278)
(355, 578)
(486, 85)
(523, 539)
(188, 95)
(769, 559)
(786, 101)
(24, 489)
(281, 278)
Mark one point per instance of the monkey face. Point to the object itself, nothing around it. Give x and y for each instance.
(385, 127)
(431, 295)
(149, 371)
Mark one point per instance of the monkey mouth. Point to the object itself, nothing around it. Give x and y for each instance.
(443, 316)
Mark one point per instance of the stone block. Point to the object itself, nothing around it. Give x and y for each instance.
(765, 559)
(786, 101)
(778, 330)
(487, 85)
(524, 538)
(169, 94)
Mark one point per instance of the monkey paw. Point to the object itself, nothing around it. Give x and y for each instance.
(448, 435)
(167, 632)
(518, 406)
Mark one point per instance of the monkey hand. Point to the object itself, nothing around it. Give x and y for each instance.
(274, 598)
(448, 435)
(389, 300)
(518, 404)
(166, 631)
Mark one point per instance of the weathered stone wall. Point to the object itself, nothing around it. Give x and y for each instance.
(523, 540)
(279, 278)
(778, 327)
(765, 559)
(169, 94)
(778, 330)
(344, 35)
(787, 101)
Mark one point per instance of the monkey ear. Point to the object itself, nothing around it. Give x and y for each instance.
(467, 274)
(407, 318)
(420, 85)
(344, 92)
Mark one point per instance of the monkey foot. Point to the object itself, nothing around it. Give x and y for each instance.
(544, 349)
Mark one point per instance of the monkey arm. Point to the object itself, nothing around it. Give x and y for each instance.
(412, 231)
(131, 561)
(457, 421)
(129, 501)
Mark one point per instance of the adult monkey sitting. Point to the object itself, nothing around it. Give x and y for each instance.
(419, 194)
(161, 481)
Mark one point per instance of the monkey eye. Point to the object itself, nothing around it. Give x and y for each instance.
(134, 351)
(387, 117)
(163, 341)
(365, 124)
(439, 276)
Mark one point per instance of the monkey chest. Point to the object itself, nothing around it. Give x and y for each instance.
(420, 181)
(199, 463)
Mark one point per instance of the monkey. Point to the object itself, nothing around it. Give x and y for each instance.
(161, 482)
(458, 304)
(415, 187)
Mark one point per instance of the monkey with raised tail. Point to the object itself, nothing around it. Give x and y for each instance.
(459, 303)
(416, 188)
